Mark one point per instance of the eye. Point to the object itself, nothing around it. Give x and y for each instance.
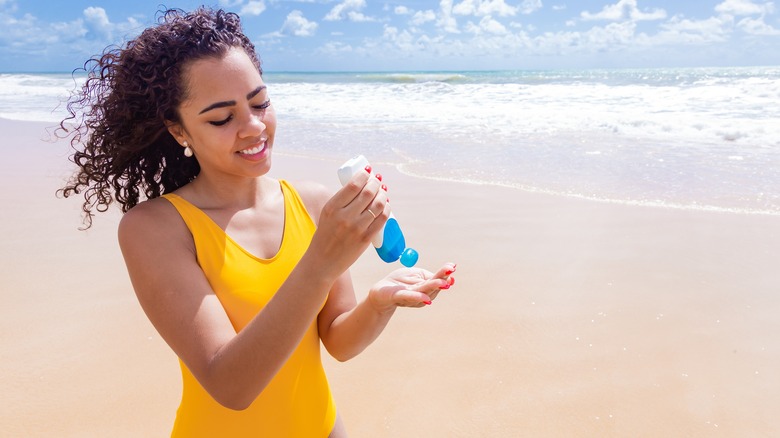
(222, 122)
(263, 105)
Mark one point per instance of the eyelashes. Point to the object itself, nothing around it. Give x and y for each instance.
(262, 107)
(222, 122)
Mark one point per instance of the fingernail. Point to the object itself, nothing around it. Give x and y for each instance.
(448, 272)
(452, 281)
(379, 176)
(384, 187)
(368, 168)
(445, 286)
(427, 303)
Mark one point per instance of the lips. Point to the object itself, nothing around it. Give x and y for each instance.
(255, 149)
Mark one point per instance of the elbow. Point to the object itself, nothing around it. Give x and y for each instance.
(236, 405)
(231, 393)
(341, 351)
(342, 355)
(342, 358)
(233, 401)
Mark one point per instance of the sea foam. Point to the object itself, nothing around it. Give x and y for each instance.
(692, 138)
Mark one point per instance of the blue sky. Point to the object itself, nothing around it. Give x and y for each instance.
(366, 35)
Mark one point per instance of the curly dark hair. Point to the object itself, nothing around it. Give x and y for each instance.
(117, 120)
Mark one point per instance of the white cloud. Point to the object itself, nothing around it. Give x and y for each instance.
(757, 26)
(624, 10)
(389, 32)
(349, 9)
(485, 7)
(491, 35)
(487, 25)
(296, 24)
(95, 26)
(402, 10)
(65, 32)
(744, 7)
(253, 7)
(359, 17)
(530, 6)
(399, 40)
(718, 28)
(615, 28)
(97, 22)
(335, 48)
(611, 36)
(8, 6)
(684, 31)
(25, 34)
(57, 45)
(446, 21)
(422, 17)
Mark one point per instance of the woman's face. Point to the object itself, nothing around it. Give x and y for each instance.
(227, 118)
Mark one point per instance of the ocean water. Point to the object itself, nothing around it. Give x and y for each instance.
(703, 139)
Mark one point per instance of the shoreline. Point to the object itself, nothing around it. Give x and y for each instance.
(402, 169)
(568, 317)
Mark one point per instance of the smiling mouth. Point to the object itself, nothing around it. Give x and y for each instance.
(254, 150)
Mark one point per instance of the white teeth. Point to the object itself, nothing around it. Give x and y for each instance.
(254, 150)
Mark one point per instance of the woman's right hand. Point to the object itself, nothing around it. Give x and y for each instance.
(347, 223)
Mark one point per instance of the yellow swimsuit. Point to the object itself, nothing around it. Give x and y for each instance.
(298, 401)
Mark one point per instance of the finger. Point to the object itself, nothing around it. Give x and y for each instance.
(410, 298)
(379, 211)
(351, 189)
(433, 285)
(365, 199)
(446, 270)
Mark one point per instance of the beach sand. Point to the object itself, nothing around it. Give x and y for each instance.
(568, 317)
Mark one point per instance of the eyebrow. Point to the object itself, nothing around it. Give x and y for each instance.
(225, 103)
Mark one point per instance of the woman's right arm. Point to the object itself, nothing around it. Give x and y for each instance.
(175, 295)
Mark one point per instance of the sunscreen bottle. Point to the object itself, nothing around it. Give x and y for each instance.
(389, 242)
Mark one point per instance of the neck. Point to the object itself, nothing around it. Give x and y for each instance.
(237, 193)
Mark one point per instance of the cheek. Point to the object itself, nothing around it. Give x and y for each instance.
(270, 120)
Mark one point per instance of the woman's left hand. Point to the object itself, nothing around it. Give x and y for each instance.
(410, 287)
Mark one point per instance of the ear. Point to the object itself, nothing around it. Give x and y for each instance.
(176, 130)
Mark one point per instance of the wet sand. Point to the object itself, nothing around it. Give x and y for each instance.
(568, 318)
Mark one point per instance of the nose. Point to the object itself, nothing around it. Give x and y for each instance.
(252, 125)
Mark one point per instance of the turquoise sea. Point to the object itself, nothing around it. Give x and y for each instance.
(699, 138)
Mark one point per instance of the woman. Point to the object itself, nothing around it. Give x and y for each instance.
(242, 275)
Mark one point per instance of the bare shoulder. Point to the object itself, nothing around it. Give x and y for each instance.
(314, 196)
(153, 222)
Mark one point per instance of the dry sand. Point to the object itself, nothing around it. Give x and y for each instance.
(568, 318)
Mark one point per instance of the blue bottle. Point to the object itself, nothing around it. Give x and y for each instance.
(389, 242)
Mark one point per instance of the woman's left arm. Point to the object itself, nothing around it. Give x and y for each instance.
(347, 328)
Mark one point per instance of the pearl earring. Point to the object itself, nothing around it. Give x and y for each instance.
(187, 149)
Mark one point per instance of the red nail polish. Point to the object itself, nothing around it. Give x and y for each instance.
(368, 168)
(384, 187)
(446, 286)
(379, 176)
(427, 303)
(452, 281)
(448, 272)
